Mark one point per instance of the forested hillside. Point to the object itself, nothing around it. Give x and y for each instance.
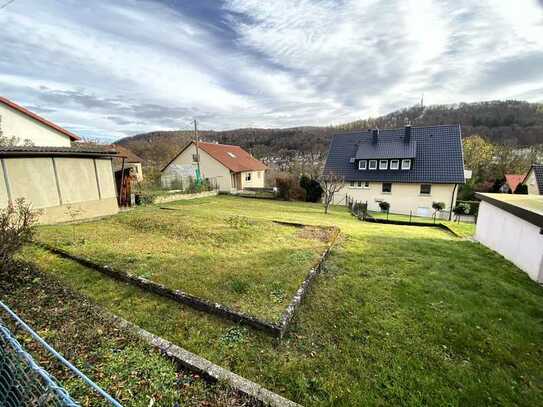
(502, 122)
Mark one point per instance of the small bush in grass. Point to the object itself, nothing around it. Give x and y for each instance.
(234, 335)
(384, 205)
(239, 286)
(17, 222)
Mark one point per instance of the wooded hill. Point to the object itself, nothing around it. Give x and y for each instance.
(501, 122)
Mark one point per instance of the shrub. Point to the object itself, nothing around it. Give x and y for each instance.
(360, 209)
(384, 205)
(462, 208)
(289, 188)
(521, 189)
(313, 190)
(438, 207)
(16, 228)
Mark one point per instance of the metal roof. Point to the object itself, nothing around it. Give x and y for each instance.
(436, 152)
(526, 207)
(33, 151)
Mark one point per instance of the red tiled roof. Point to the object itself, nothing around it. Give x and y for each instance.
(234, 158)
(513, 180)
(34, 116)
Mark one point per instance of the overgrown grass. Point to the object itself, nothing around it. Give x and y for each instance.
(402, 316)
(130, 370)
(224, 258)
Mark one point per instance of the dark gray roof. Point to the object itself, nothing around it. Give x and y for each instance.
(438, 156)
(74, 151)
(368, 150)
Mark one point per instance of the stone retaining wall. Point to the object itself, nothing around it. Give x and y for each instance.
(181, 197)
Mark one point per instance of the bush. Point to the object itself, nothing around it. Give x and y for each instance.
(521, 189)
(16, 228)
(384, 205)
(462, 208)
(289, 188)
(437, 207)
(360, 209)
(313, 190)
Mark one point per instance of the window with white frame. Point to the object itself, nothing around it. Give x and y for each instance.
(383, 164)
(406, 164)
(366, 184)
(425, 189)
(351, 184)
(248, 176)
(373, 165)
(362, 164)
(394, 164)
(359, 184)
(387, 188)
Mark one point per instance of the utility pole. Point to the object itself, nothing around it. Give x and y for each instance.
(198, 174)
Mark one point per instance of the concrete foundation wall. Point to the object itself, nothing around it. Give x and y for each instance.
(402, 199)
(515, 239)
(51, 184)
(17, 124)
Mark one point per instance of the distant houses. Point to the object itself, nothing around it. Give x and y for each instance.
(39, 163)
(409, 168)
(229, 167)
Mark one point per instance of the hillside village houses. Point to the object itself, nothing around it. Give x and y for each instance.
(230, 168)
(410, 168)
(64, 181)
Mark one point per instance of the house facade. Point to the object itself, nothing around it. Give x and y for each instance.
(534, 180)
(64, 182)
(229, 167)
(410, 168)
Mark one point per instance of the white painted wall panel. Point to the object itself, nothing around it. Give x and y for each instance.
(515, 239)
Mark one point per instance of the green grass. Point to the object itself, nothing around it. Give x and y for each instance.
(402, 316)
(126, 367)
(463, 229)
(224, 258)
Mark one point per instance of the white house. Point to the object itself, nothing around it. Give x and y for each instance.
(534, 180)
(512, 225)
(64, 182)
(230, 167)
(409, 168)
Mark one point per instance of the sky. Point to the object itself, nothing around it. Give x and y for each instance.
(109, 69)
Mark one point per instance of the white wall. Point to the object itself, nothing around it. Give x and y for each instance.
(83, 183)
(517, 240)
(17, 124)
(532, 184)
(209, 167)
(257, 179)
(403, 198)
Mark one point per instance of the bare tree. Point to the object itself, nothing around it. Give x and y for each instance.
(331, 183)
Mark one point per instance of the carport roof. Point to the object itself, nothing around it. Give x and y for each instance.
(37, 151)
(526, 207)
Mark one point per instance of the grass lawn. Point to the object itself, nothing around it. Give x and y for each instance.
(402, 316)
(463, 229)
(130, 370)
(254, 266)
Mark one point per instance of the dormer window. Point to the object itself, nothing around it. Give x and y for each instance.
(231, 154)
(362, 164)
(394, 164)
(373, 165)
(406, 164)
(383, 164)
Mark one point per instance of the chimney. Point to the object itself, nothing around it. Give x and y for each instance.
(375, 133)
(407, 134)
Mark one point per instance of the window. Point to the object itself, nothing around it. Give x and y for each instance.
(406, 164)
(425, 189)
(362, 164)
(394, 164)
(359, 184)
(387, 187)
(383, 164)
(366, 184)
(248, 176)
(373, 164)
(231, 154)
(352, 184)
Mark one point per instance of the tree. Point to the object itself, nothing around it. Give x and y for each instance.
(313, 190)
(438, 207)
(478, 154)
(331, 183)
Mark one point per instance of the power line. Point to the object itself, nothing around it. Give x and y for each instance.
(6, 4)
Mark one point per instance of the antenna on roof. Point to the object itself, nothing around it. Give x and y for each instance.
(422, 101)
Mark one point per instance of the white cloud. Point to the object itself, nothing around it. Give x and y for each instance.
(115, 68)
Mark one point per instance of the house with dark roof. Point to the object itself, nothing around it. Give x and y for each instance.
(410, 168)
(39, 163)
(534, 180)
(230, 167)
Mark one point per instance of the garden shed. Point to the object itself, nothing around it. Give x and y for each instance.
(512, 225)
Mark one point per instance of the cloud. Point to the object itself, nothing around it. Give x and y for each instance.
(109, 69)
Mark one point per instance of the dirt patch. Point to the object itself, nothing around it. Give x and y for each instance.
(315, 233)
